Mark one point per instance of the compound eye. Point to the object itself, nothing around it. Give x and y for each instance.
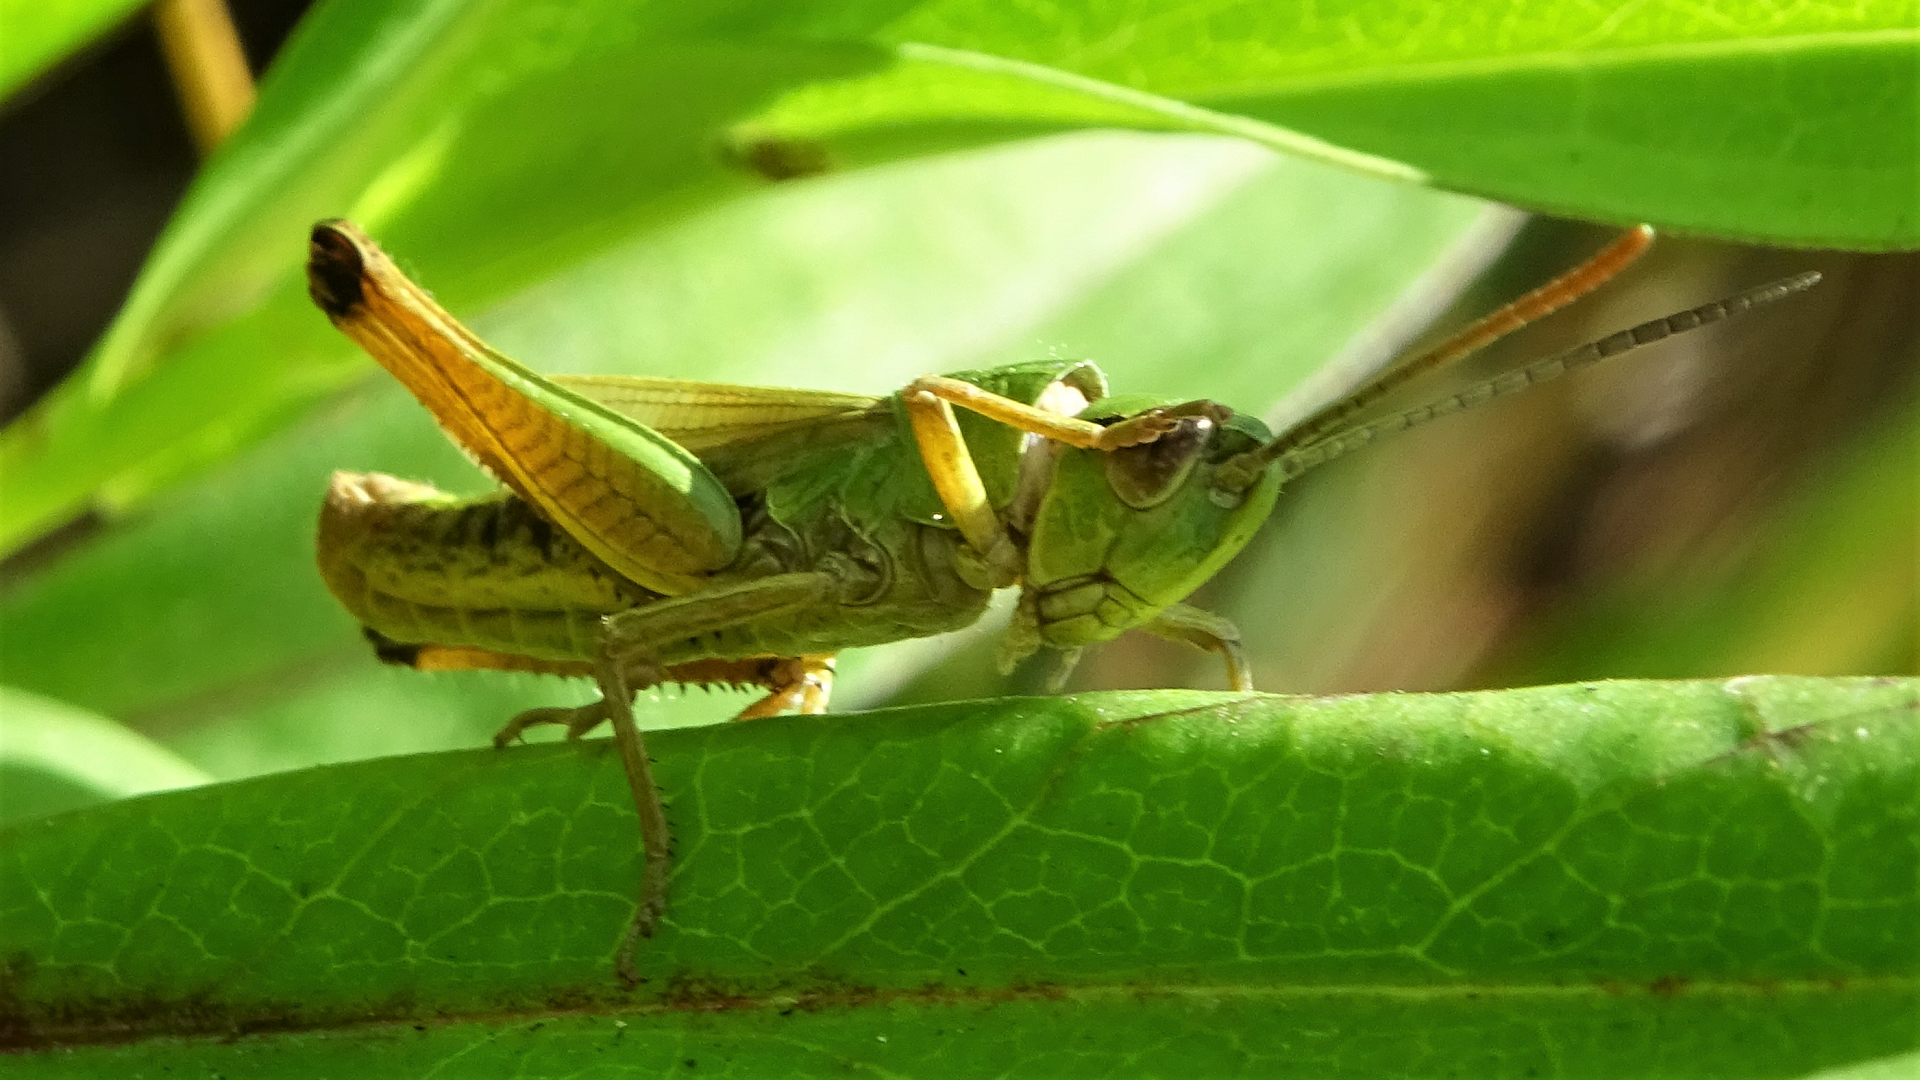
(1147, 475)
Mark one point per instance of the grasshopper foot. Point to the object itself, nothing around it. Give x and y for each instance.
(801, 683)
(1149, 426)
(516, 728)
(1137, 430)
(646, 916)
(578, 721)
(1205, 630)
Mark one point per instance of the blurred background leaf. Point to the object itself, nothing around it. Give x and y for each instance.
(431, 124)
(54, 757)
(36, 34)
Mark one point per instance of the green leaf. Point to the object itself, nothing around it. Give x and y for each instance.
(36, 34)
(54, 757)
(1615, 879)
(1898, 1067)
(498, 144)
(1737, 118)
(1099, 245)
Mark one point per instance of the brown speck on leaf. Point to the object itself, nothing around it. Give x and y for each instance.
(777, 158)
(1667, 985)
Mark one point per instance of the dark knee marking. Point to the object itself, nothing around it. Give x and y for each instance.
(334, 270)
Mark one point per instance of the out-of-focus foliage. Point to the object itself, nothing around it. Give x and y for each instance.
(35, 34)
(432, 124)
(55, 757)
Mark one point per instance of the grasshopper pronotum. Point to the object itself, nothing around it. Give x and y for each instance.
(659, 530)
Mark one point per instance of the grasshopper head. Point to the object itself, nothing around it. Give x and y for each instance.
(1121, 535)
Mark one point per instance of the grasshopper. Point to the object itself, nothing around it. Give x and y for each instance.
(653, 531)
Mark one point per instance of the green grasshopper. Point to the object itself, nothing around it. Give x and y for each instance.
(657, 531)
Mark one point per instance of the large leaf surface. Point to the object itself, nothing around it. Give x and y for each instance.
(499, 143)
(1742, 118)
(1617, 879)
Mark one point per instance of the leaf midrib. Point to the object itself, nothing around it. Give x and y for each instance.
(710, 1000)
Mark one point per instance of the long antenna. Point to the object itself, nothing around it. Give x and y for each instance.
(1603, 267)
(1299, 460)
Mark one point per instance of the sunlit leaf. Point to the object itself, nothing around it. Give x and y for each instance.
(54, 757)
(434, 124)
(1625, 879)
(36, 34)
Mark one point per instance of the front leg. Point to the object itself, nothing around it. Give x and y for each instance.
(956, 479)
(1144, 427)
